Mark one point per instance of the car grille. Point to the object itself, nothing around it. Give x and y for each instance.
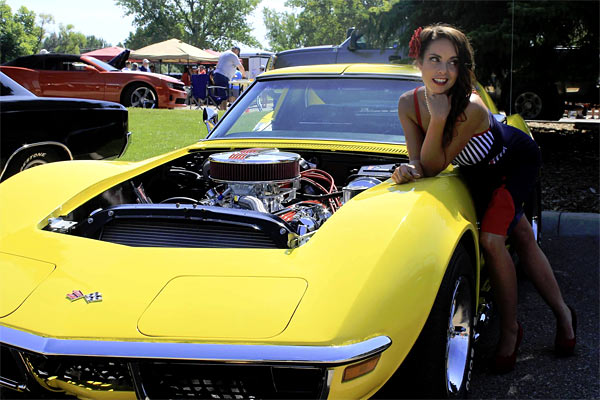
(166, 233)
(11, 368)
(197, 381)
(154, 379)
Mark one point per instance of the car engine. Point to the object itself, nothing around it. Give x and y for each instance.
(243, 198)
(267, 180)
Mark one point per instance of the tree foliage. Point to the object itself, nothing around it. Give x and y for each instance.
(315, 22)
(18, 32)
(540, 27)
(216, 24)
(65, 41)
(24, 33)
(94, 43)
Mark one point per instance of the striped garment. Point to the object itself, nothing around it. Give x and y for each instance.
(482, 148)
(477, 150)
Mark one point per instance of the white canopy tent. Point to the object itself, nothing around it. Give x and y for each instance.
(174, 51)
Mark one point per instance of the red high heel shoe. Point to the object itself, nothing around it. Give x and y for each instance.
(504, 364)
(566, 347)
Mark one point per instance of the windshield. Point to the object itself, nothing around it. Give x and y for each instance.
(354, 109)
(102, 64)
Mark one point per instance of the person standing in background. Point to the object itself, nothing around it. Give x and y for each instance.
(145, 65)
(229, 61)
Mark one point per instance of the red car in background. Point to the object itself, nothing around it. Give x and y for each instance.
(66, 75)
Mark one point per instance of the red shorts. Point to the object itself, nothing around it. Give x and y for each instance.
(500, 216)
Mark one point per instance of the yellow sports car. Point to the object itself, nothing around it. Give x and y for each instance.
(274, 259)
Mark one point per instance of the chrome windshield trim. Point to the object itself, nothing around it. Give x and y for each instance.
(230, 353)
(322, 140)
(343, 75)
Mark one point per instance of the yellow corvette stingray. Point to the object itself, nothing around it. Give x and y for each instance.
(274, 259)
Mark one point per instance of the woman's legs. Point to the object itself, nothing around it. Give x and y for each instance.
(540, 272)
(504, 282)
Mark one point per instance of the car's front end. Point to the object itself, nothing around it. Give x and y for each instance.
(171, 93)
(274, 260)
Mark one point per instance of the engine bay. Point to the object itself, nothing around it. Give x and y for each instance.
(246, 198)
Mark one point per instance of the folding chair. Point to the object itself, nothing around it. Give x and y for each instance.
(199, 91)
(213, 96)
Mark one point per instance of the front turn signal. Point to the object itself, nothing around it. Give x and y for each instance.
(360, 369)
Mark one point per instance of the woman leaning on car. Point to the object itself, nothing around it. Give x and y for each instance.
(446, 122)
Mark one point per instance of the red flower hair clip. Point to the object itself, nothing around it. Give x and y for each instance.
(415, 44)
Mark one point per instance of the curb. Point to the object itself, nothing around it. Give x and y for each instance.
(567, 224)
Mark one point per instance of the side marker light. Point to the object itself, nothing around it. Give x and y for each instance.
(360, 369)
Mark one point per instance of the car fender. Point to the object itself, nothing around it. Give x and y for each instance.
(28, 78)
(54, 189)
(57, 146)
(391, 244)
(518, 122)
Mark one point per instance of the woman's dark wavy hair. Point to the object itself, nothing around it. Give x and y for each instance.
(463, 87)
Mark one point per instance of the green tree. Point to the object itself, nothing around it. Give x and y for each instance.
(540, 26)
(216, 24)
(94, 43)
(66, 41)
(18, 32)
(315, 22)
(44, 21)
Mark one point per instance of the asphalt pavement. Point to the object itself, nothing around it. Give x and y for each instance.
(571, 243)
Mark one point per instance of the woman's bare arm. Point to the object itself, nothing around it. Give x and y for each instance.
(414, 140)
(434, 157)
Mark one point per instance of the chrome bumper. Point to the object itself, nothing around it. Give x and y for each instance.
(228, 353)
(126, 146)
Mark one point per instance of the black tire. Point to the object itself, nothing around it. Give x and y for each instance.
(440, 363)
(140, 95)
(30, 158)
(537, 103)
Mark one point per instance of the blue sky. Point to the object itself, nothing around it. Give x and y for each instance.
(104, 19)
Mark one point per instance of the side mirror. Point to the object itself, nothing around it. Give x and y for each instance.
(500, 118)
(210, 117)
(353, 38)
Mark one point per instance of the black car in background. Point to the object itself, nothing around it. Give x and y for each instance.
(355, 49)
(35, 130)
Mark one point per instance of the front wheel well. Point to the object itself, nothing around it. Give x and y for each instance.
(469, 242)
(132, 86)
(26, 154)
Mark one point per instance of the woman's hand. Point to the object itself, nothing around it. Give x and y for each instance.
(438, 105)
(407, 173)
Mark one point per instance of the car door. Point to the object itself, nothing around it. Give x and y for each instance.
(71, 78)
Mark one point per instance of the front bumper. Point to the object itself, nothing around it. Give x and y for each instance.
(172, 98)
(158, 369)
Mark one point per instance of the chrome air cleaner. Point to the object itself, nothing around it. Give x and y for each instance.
(254, 165)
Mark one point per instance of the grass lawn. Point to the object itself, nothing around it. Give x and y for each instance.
(158, 131)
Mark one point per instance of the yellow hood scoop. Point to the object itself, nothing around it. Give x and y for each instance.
(223, 307)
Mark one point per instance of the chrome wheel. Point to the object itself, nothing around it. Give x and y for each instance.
(143, 97)
(458, 343)
(529, 105)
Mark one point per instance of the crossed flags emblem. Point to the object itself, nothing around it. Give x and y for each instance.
(89, 298)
